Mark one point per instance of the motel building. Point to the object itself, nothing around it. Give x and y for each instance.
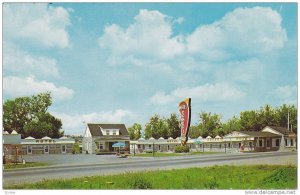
(99, 137)
(47, 145)
(268, 139)
(14, 148)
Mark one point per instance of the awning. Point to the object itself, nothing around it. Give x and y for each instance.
(118, 144)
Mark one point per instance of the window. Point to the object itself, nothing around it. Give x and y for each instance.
(286, 143)
(107, 132)
(277, 142)
(228, 145)
(29, 150)
(168, 147)
(139, 146)
(46, 149)
(101, 146)
(149, 146)
(261, 143)
(114, 132)
(158, 147)
(292, 142)
(63, 148)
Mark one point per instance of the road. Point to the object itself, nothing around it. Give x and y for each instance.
(133, 164)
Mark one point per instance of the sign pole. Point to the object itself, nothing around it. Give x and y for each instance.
(153, 149)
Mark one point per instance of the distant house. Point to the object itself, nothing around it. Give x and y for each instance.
(100, 137)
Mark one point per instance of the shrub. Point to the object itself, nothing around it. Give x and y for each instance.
(182, 149)
(76, 148)
(139, 183)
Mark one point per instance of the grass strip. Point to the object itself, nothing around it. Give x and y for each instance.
(28, 164)
(215, 177)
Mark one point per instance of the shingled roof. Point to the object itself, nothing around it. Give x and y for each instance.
(96, 131)
(281, 130)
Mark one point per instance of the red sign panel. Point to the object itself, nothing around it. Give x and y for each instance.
(185, 118)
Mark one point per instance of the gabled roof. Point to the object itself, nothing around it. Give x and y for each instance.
(281, 129)
(29, 137)
(95, 128)
(13, 132)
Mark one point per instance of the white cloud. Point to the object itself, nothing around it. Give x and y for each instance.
(43, 24)
(244, 31)
(203, 93)
(16, 86)
(18, 61)
(76, 123)
(150, 36)
(288, 94)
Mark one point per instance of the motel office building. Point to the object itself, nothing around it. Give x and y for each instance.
(99, 137)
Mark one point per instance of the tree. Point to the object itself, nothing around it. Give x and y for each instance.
(29, 117)
(282, 116)
(267, 116)
(173, 124)
(250, 121)
(233, 124)
(194, 132)
(156, 128)
(209, 123)
(135, 131)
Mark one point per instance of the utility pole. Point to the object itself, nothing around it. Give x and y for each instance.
(288, 120)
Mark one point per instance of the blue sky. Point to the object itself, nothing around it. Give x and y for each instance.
(125, 62)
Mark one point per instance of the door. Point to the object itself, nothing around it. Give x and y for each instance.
(268, 143)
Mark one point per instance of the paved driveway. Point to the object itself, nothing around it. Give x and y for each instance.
(71, 159)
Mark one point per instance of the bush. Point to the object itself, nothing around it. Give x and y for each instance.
(76, 148)
(139, 183)
(182, 149)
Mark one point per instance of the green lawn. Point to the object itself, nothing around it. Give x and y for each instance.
(28, 164)
(216, 177)
(164, 154)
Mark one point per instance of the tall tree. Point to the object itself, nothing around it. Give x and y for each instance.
(267, 116)
(29, 116)
(135, 131)
(250, 121)
(194, 132)
(156, 128)
(209, 123)
(233, 124)
(282, 114)
(173, 126)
